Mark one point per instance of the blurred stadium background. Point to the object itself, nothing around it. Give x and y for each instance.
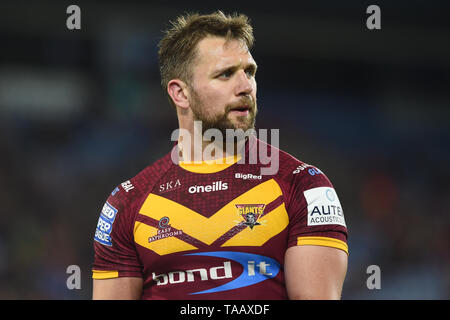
(82, 111)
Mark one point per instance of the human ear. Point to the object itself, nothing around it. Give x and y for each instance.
(177, 90)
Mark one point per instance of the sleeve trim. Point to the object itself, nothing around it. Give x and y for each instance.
(102, 274)
(323, 241)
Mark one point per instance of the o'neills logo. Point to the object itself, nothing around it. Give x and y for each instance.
(215, 186)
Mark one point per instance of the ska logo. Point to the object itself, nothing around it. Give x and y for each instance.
(250, 213)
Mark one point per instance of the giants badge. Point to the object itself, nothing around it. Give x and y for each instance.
(250, 213)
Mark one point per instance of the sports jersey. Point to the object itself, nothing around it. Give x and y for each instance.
(215, 231)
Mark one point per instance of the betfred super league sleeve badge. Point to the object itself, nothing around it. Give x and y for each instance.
(104, 225)
(323, 207)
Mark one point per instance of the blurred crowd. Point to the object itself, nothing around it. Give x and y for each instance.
(82, 111)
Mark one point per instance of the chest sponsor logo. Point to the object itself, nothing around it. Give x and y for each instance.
(170, 186)
(250, 213)
(256, 268)
(165, 230)
(215, 186)
(247, 176)
(324, 207)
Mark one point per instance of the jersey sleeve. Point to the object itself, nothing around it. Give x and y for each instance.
(114, 250)
(316, 214)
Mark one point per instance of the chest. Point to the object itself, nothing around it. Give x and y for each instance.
(214, 212)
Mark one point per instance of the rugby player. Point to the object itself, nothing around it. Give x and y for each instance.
(219, 229)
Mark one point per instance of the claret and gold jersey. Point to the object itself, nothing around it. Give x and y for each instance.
(215, 231)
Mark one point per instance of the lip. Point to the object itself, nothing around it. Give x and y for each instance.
(241, 110)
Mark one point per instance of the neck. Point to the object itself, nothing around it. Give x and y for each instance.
(198, 150)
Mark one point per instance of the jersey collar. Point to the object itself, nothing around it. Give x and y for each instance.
(210, 166)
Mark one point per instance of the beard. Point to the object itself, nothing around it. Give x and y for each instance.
(221, 121)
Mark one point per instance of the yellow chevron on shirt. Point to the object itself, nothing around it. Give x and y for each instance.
(143, 233)
(208, 230)
(271, 224)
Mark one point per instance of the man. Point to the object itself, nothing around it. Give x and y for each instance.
(219, 229)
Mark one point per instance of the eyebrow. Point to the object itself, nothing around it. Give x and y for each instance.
(252, 66)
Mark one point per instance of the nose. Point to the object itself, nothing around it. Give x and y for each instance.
(244, 84)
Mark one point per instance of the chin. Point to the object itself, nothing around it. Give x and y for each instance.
(244, 125)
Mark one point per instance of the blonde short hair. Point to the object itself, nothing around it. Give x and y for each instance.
(177, 49)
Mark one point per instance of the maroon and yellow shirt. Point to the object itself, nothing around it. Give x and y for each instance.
(215, 231)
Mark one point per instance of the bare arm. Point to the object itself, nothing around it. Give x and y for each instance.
(315, 272)
(126, 288)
